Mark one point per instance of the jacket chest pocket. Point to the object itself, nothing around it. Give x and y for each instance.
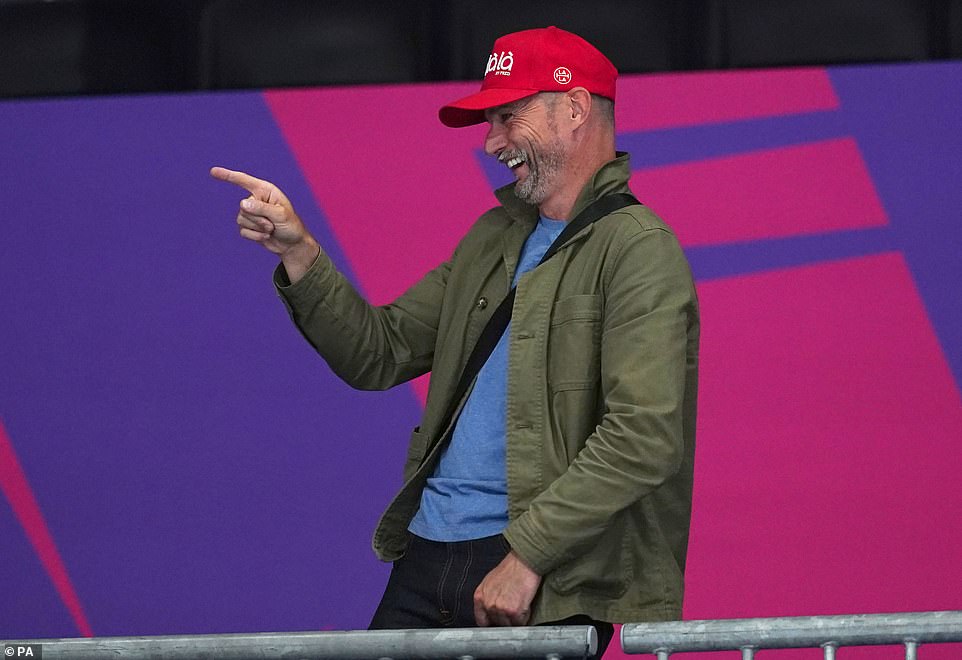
(574, 343)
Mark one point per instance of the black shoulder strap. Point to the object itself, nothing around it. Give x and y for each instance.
(499, 320)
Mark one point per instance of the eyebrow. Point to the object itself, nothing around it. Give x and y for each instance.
(514, 106)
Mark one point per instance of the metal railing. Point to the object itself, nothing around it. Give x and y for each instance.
(549, 642)
(909, 629)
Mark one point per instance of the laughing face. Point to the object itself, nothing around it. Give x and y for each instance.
(524, 136)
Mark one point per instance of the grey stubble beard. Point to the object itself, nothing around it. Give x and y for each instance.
(544, 167)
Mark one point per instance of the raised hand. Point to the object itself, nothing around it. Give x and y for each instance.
(267, 217)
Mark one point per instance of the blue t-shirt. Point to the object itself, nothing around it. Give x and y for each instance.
(467, 496)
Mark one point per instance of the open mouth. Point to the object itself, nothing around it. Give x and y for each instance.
(513, 160)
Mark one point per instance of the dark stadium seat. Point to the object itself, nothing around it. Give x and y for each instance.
(636, 36)
(56, 47)
(955, 29)
(72, 46)
(787, 32)
(252, 43)
(41, 48)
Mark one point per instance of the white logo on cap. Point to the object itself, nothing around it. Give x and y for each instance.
(562, 75)
(500, 64)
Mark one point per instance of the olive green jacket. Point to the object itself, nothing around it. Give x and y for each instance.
(602, 380)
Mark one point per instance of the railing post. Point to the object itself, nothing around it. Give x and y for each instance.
(911, 650)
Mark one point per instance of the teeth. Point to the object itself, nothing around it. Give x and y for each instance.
(514, 161)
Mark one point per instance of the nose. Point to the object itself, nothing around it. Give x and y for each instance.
(495, 141)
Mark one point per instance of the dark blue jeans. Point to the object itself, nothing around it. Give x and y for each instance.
(432, 586)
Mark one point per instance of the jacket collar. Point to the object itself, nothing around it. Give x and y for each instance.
(612, 177)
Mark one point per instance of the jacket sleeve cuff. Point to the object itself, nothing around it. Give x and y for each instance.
(306, 289)
(527, 544)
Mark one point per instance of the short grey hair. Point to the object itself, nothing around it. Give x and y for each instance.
(605, 106)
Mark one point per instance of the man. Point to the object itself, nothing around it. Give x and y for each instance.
(561, 491)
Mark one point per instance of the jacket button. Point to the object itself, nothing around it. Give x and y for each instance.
(482, 302)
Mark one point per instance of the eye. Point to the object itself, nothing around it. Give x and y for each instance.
(505, 116)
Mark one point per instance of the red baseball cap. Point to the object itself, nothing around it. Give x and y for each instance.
(531, 61)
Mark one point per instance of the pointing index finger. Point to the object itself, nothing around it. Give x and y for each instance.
(257, 187)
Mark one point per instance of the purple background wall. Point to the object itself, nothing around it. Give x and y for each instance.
(174, 458)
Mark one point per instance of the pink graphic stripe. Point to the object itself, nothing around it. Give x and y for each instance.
(671, 100)
(828, 449)
(399, 189)
(789, 191)
(14, 485)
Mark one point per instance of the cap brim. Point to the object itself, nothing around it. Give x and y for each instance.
(470, 109)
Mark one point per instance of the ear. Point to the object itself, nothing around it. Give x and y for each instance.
(579, 105)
